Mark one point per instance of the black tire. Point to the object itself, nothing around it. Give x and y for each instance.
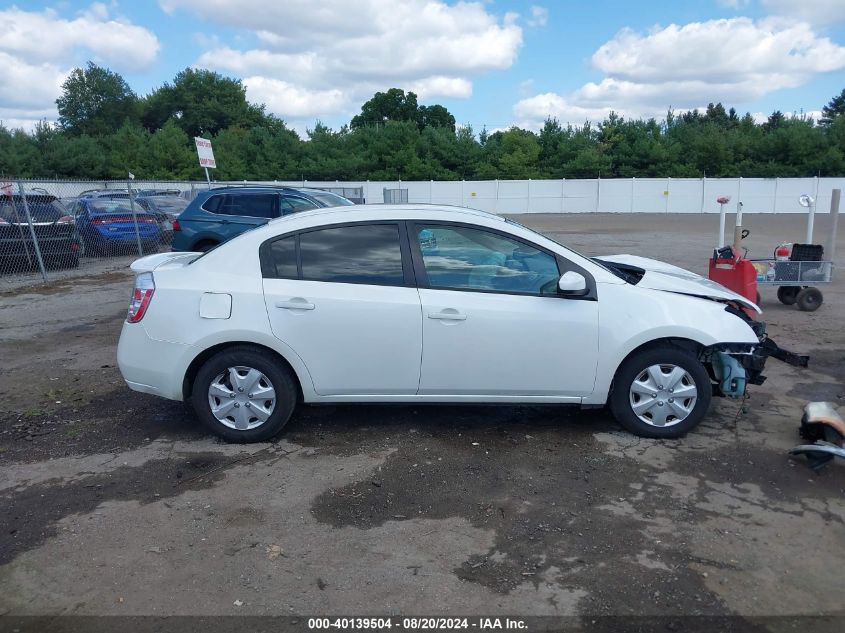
(277, 373)
(634, 366)
(809, 299)
(788, 294)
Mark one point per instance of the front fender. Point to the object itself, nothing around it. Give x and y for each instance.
(630, 317)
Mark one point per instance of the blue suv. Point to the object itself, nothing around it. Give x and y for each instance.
(218, 215)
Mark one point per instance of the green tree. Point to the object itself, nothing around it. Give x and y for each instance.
(202, 103)
(129, 151)
(170, 155)
(435, 116)
(834, 108)
(95, 101)
(393, 105)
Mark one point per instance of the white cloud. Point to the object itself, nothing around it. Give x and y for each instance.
(453, 87)
(684, 67)
(734, 4)
(737, 50)
(360, 46)
(39, 48)
(539, 16)
(290, 100)
(819, 12)
(44, 36)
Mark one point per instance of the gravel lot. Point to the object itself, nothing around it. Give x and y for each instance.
(116, 503)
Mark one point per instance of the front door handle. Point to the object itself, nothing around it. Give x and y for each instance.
(449, 314)
(297, 303)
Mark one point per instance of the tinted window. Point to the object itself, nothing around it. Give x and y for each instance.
(41, 209)
(106, 205)
(367, 254)
(213, 204)
(283, 257)
(253, 205)
(292, 204)
(473, 259)
(171, 205)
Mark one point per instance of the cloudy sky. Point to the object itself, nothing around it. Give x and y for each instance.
(492, 63)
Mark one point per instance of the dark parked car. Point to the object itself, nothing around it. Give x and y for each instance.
(107, 226)
(54, 230)
(166, 209)
(218, 215)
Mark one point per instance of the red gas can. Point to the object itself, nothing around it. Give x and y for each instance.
(735, 274)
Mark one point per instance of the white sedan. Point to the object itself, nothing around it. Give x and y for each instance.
(419, 303)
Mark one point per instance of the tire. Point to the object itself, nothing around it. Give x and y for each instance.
(787, 295)
(626, 394)
(215, 382)
(809, 299)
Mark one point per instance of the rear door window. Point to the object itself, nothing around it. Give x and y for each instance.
(282, 256)
(252, 205)
(359, 254)
(363, 254)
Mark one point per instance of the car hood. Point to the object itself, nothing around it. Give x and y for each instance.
(151, 262)
(662, 276)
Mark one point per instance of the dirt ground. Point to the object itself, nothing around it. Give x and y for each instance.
(117, 503)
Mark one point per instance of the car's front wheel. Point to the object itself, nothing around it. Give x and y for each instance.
(244, 394)
(663, 392)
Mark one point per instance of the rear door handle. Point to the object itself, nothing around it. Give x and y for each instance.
(297, 303)
(449, 314)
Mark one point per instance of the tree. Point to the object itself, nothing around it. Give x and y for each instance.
(393, 105)
(202, 103)
(129, 152)
(835, 108)
(95, 101)
(435, 116)
(396, 105)
(170, 156)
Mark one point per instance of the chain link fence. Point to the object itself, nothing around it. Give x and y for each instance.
(68, 228)
(57, 229)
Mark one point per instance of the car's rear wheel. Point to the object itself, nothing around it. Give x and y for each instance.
(244, 394)
(663, 392)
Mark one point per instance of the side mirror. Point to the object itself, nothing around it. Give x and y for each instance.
(572, 284)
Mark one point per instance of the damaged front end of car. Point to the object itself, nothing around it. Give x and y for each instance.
(733, 366)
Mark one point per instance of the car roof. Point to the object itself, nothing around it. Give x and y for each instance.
(29, 195)
(328, 215)
(249, 188)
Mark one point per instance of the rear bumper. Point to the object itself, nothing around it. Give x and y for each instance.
(149, 365)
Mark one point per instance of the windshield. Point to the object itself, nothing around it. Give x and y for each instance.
(330, 199)
(104, 205)
(41, 208)
(173, 206)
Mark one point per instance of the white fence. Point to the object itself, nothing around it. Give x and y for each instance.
(628, 195)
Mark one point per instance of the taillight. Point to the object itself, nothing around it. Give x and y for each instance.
(176, 226)
(142, 294)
